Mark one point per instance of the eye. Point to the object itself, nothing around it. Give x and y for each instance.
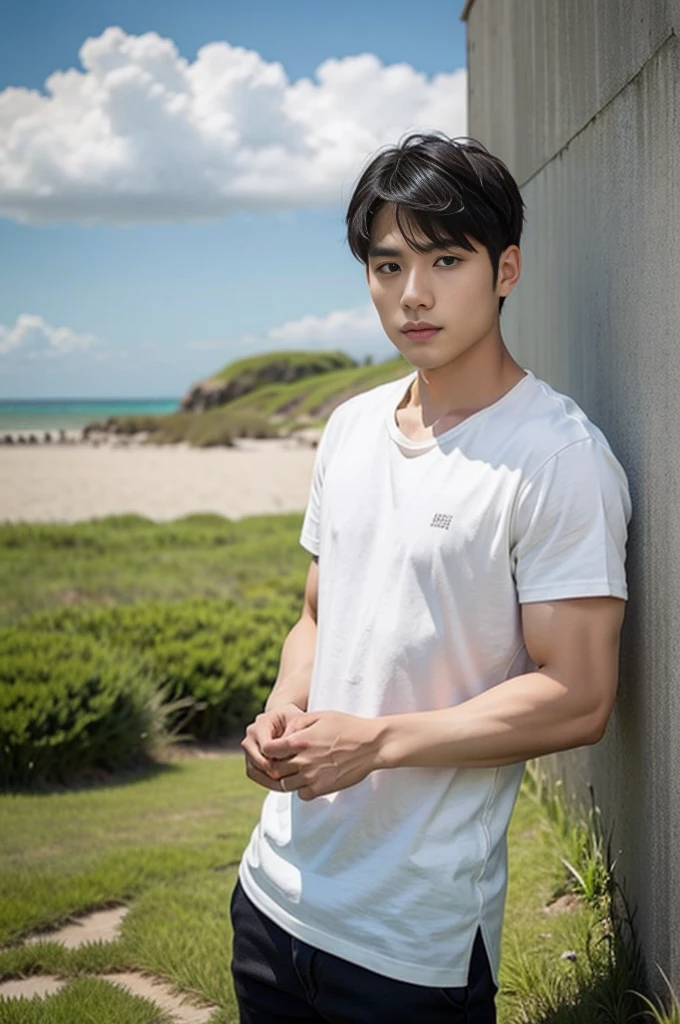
(379, 269)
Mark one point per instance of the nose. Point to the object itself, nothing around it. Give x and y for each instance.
(417, 291)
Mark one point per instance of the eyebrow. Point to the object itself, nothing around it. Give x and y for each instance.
(385, 250)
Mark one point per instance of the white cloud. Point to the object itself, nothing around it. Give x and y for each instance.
(143, 134)
(331, 330)
(32, 337)
(356, 332)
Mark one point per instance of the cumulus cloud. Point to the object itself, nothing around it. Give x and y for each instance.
(143, 134)
(356, 331)
(331, 330)
(32, 337)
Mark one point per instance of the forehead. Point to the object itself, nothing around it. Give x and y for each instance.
(384, 225)
(386, 234)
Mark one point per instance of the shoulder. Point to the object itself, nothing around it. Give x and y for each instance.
(553, 423)
(358, 410)
(567, 467)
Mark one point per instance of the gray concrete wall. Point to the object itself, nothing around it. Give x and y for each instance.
(581, 99)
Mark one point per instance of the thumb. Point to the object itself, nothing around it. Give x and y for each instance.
(298, 722)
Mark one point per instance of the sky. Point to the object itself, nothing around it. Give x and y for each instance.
(174, 179)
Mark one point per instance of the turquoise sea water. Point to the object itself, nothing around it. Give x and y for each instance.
(17, 414)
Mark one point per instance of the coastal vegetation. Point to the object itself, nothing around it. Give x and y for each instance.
(117, 633)
(273, 395)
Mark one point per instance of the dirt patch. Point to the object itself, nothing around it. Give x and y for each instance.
(101, 926)
(530, 833)
(159, 992)
(562, 904)
(104, 926)
(187, 751)
(163, 995)
(39, 985)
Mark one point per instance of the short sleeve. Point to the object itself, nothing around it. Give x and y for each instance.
(570, 526)
(310, 535)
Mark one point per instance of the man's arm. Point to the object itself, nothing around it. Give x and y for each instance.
(290, 693)
(565, 703)
(297, 653)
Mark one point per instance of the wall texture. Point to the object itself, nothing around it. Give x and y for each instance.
(581, 99)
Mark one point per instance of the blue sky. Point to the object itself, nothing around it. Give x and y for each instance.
(111, 286)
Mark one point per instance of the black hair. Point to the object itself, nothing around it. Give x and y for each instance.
(450, 188)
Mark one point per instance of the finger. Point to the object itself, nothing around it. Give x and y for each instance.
(294, 724)
(283, 748)
(261, 778)
(257, 739)
(285, 769)
(292, 740)
(254, 754)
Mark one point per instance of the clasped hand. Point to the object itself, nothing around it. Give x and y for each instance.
(313, 752)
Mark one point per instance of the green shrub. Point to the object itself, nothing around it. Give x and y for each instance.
(215, 653)
(69, 703)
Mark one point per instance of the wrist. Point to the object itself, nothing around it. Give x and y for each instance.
(381, 742)
(283, 702)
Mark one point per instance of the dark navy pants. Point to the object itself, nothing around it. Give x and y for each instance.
(279, 979)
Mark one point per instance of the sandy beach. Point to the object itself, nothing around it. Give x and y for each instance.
(72, 483)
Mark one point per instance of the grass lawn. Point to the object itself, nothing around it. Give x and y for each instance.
(128, 558)
(168, 842)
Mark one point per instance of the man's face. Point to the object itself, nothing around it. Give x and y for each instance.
(451, 288)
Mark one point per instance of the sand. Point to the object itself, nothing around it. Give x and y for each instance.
(76, 482)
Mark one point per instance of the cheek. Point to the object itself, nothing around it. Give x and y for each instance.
(471, 296)
(380, 299)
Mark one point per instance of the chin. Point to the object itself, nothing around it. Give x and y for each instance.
(427, 360)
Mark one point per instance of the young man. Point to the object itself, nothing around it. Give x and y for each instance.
(463, 608)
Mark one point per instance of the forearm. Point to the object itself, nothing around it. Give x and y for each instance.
(521, 718)
(295, 668)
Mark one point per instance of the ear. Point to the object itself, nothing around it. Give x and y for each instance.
(509, 270)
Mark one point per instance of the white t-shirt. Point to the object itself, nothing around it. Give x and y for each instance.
(426, 550)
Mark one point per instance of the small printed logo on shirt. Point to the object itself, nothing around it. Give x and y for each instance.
(441, 519)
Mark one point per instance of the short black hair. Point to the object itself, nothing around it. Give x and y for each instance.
(450, 188)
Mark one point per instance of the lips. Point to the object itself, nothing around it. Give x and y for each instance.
(421, 325)
(422, 335)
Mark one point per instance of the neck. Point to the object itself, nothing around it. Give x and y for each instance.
(461, 387)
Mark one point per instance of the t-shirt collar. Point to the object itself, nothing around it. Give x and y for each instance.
(425, 444)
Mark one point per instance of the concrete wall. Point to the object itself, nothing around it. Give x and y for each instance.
(581, 99)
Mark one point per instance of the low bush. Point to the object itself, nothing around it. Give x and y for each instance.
(216, 654)
(70, 703)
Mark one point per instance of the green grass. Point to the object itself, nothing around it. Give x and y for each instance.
(168, 840)
(94, 845)
(121, 559)
(85, 1001)
(250, 368)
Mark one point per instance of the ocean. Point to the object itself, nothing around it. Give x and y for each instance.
(71, 413)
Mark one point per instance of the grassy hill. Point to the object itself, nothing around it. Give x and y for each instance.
(277, 394)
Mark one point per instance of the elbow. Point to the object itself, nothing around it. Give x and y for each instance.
(596, 727)
(595, 715)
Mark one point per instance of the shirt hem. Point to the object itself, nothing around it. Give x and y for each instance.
(587, 588)
(309, 544)
(414, 974)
